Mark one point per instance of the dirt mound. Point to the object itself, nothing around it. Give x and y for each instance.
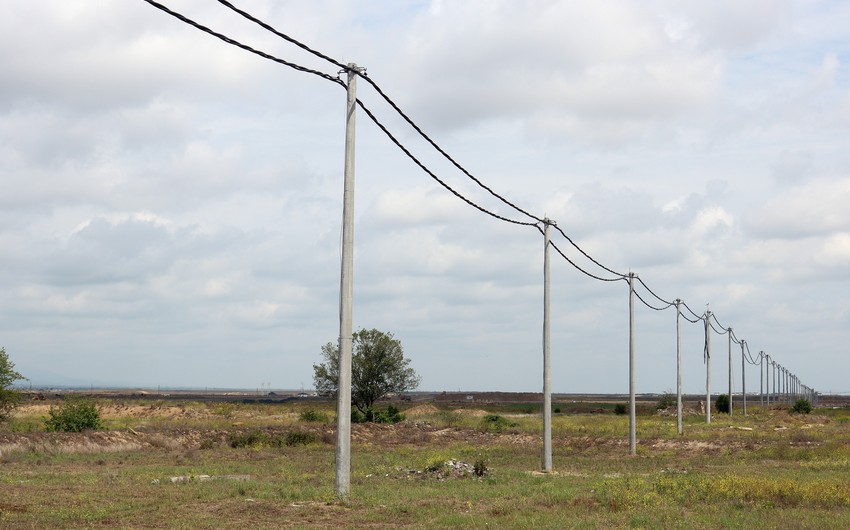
(475, 413)
(422, 410)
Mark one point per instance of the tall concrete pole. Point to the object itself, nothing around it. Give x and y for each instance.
(729, 336)
(707, 367)
(547, 353)
(678, 367)
(743, 379)
(761, 378)
(767, 382)
(632, 419)
(346, 295)
(773, 382)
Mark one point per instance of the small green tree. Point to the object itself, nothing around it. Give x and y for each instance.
(722, 403)
(9, 399)
(666, 401)
(76, 415)
(802, 406)
(378, 368)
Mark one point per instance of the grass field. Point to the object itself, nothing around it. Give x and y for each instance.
(225, 465)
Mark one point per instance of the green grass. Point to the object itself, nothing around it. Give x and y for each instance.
(787, 472)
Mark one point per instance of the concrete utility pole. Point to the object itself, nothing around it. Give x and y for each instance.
(678, 366)
(767, 374)
(761, 377)
(773, 381)
(707, 366)
(346, 295)
(632, 419)
(729, 336)
(743, 378)
(547, 354)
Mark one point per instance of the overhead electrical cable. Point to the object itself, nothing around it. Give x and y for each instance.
(245, 47)
(338, 81)
(724, 332)
(645, 286)
(386, 98)
(647, 304)
(571, 262)
(430, 173)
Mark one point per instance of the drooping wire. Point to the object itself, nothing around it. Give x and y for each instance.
(718, 322)
(283, 35)
(430, 173)
(588, 256)
(341, 83)
(647, 304)
(724, 332)
(698, 317)
(571, 262)
(389, 101)
(245, 47)
(645, 286)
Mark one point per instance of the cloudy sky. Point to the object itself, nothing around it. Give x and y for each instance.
(170, 205)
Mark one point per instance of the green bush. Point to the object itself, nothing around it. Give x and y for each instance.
(494, 422)
(73, 416)
(620, 408)
(391, 415)
(294, 438)
(314, 416)
(260, 439)
(666, 401)
(249, 439)
(802, 406)
(722, 403)
(479, 468)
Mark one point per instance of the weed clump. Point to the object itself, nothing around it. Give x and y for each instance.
(666, 401)
(310, 415)
(620, 409)
(391, 415)
(722, 403)
(802, 406)
(73, 416)
(261, 439)
(494, 422)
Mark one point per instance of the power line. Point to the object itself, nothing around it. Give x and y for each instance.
(431, 173)
(647, 304)
(389, 100)
(571, 262)
(283, 35)
(645, 286)
(588, 256)
(245, 47)
(724, 332)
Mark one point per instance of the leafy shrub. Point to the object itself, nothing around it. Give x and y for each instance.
(666, 401)
(73, 416)
(294, 438)
(248, 439)
(494, 422)
(391, 415)
(314, 416)
(620, 408)
(260, 439)
(557, 410)
(802, 406)
(479, 468)
(722, 403)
